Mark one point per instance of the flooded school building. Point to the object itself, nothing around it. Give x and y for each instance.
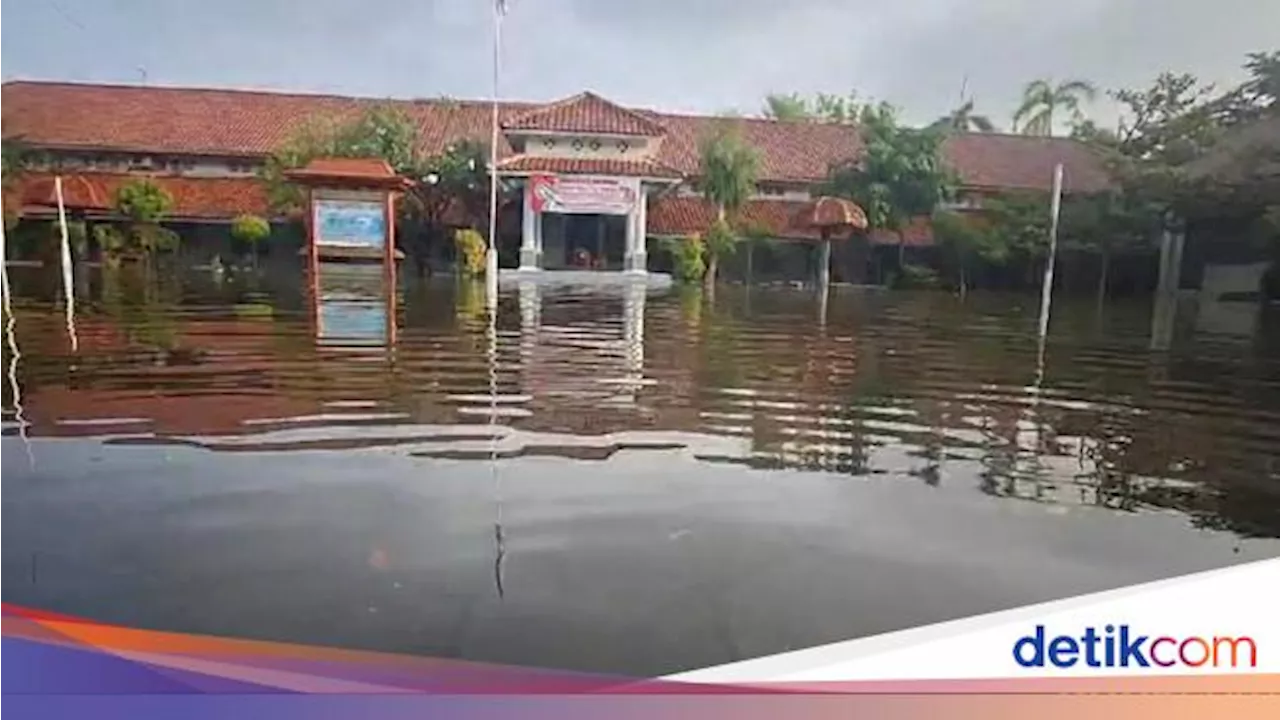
(589, 183)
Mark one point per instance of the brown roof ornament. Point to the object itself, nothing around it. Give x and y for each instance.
(361, 173)
(830, 216)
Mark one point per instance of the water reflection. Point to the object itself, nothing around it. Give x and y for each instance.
(912, 386)
(354, 307)
(13, 403)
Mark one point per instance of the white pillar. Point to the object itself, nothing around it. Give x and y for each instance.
(1171, 245)
(635, 259)
(824, 264)
(537, 237)
(1165, 310)
(529, 233)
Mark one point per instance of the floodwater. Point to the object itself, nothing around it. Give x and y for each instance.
(613, 480)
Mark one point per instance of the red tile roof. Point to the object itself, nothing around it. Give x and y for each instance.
(789, 151)
(831, 212)
(349, 172)
(998, 161)
(354, 167)
(592, 166)
(192, 197)
(78, 193)
(252, 123)
(687, 215)
(586, 113)
(207, 121)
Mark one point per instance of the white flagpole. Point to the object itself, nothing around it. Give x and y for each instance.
(4, 264)
(491, 295)
(1046, 290)
(68, 281)
(491, 258)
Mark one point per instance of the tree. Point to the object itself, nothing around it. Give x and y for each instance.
(1041, 99)
(728, 178)
(791, 108)
(1107, 223)
(252, 230)
(969, 242)
(963, 119)
(838, 109)
(455, 180)
(142, 201)
(687, 257)
(144, 205)
(384, 132)
(1019, 224)
(823, 107)
(900, 175)
(17, 159)
(1166, 124)
(1255, 98)
(1161, 128)
(721, 241)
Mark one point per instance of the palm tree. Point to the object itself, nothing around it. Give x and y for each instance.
(963, 119)
(1041, 98)
(786, 107)
(728, 177)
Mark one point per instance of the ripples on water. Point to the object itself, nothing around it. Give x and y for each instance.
(916, 385)
(768, 398)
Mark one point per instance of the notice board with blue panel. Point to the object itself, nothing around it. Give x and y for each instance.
(351, 223)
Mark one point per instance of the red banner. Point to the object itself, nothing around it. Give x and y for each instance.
(596, 195)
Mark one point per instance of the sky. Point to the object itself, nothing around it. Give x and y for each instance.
(703, 56)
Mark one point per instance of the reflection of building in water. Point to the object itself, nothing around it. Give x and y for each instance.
(147, 364)
(355, 307)
(579, 356)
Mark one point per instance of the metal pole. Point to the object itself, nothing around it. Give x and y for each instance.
(491, 257)
(68, 281)
(1046, 290)
(4, 263)
(491, 296)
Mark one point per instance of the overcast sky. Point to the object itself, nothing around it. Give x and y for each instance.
(678, 55)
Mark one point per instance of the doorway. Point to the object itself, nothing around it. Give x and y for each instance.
(583, 241)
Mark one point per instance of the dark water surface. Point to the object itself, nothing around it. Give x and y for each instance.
(618, 481)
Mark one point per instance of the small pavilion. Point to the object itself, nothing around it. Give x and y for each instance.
(586, 169)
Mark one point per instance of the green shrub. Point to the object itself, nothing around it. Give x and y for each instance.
(471, 252)
(721, 239)
(687, 257)
(110, 239)
(144, 204)
(250, 229)
(143, 201)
